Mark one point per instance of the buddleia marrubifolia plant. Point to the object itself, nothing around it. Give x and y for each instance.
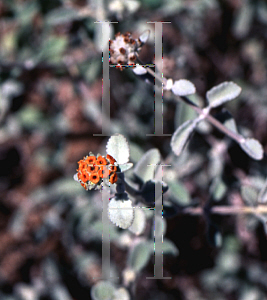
(98, 171)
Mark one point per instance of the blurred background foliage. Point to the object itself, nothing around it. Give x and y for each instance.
(50, 107)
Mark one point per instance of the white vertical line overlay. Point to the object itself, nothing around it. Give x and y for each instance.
(105, 81)
(158, 104)
(158, 235)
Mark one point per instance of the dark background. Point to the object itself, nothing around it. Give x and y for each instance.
(50, 107)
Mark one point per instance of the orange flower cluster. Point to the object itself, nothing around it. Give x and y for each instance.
(92, 170)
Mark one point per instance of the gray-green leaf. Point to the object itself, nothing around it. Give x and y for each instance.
(230, 124)
(253, 148)
(53, 48)
(160, 226)
(181, 136)
(183, 87)
(218, 189)
(144, 36)
(121, 294)
(222, 93)
(139, 256)
(103, 290)
(118, 148)
(61, 16)
(183, 113)
(263, 194)
(139, 222)
(168, 247)
(144, 168)
(249, 194)
(178, 192)
(139, 70)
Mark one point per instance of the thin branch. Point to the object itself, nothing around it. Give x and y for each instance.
(157, 76)
(235, 136)
(227, 210)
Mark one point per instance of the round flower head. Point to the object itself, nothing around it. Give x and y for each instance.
(93, 170)
(123, 50)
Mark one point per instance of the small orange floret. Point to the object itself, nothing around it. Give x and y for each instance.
(112, 169)
(111, 159)
(83, 176)
(82, 165)
(103, 172)
(90, 160)
(92, 168)
(113, 178)
(101, 160)
(94, 177)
